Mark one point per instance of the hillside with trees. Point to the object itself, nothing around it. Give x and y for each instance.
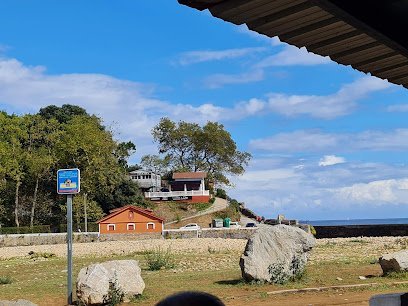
(34, 147)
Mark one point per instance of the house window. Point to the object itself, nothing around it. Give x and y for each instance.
(131, 227)
(150, 226)
(111, 227)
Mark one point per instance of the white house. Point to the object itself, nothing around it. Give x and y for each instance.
(147, 180)
(186, 186)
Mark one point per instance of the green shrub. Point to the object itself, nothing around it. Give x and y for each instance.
(159, 259)
(202, 206)
(34, 255)
(312, 230)
(115, 294)
(221, 193)
(212, 200)
(5, 280)
(25, 229)
(279, 275)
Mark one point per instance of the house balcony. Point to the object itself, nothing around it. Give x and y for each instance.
(172, 194)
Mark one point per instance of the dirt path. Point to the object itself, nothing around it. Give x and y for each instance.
(219, 204)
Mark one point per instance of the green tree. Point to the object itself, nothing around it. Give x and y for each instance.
(123, 151)
(13, 134)
(40, 151)
(62, 114)
(155, 163)
(126, 192)
(210, 148)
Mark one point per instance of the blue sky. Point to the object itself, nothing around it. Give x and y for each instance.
(327, 142)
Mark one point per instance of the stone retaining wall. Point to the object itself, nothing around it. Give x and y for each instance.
(59, 238)
(346, 231)
(243, 233)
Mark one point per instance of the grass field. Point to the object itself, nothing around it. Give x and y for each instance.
(43, 280)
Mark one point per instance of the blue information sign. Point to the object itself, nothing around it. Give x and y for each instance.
(68, 181)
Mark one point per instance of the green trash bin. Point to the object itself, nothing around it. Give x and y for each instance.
(227, 222)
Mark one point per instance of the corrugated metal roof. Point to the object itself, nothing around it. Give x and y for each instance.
(321, 27)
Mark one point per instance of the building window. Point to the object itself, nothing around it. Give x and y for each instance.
(111, 227)
(150, 226)
(131, 226)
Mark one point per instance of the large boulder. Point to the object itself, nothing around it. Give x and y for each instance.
(93, 281)
(276, 254)
(17, 303)
(394, 262)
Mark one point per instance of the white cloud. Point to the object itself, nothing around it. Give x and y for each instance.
(194, 57)
(398, 108)
(330, 106)
(377, 192)
(129, 104)
(358, 190)
(293, 56)
(219, 80)
(330, 160)
(317, 141)
(297, 141)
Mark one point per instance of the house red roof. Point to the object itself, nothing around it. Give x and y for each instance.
(117, 211)
(189, 175)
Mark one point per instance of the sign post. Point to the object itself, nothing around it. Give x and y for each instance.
(69, 182)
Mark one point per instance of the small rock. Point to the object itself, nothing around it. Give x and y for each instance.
(362, 277)
(339, 278)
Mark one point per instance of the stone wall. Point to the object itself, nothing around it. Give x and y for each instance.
(345, 231)
(39, 239)
(243, 233)
(59, 238)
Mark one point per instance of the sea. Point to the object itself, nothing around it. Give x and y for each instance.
(356, 222)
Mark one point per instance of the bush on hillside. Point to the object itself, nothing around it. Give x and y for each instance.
(221, 193)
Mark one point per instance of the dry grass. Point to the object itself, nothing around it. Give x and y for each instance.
(44, 281)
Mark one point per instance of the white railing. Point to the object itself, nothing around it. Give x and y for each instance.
(169, 194)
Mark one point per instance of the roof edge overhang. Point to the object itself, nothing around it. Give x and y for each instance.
(322, 27)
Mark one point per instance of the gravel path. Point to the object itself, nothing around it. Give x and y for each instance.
(194, 245)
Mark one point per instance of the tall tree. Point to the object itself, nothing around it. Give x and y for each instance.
(41, 154)
(13, 134)
(190, 147)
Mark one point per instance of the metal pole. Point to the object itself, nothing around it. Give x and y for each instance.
(69, 244)
(86, 216)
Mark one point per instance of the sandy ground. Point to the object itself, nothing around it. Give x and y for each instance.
(373, 246)
(195, 245)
